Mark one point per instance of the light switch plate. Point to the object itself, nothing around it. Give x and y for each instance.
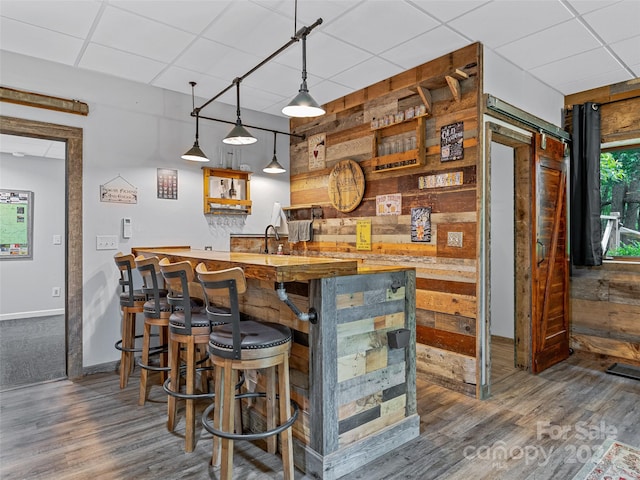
(106, 242)
(454, 239)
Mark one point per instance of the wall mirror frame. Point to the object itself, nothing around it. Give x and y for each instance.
(72, 136)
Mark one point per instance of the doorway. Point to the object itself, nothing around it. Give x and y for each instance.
(72, 137)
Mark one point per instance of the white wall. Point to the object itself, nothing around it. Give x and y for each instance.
(26, 284)
(504, 80)
(131, 130)
(502, 241)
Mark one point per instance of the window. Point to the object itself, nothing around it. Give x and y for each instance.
(620, 200)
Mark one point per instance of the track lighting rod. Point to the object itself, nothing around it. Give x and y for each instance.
(302, 33)
(193, 114)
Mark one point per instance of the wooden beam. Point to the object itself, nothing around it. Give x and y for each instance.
(425, 95)
(37, 100)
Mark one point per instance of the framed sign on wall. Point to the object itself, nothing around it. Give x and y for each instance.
(16, 224)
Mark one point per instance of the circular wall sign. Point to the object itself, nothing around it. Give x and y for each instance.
(346, 185)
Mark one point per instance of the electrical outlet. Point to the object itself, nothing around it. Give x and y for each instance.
(55, 292)
(454, 239)
(106, 242)
(57, 240)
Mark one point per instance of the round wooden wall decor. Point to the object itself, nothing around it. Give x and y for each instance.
(346, 185)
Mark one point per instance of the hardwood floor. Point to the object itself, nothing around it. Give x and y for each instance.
(532, 428)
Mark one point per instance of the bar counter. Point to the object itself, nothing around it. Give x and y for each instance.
(353, 372)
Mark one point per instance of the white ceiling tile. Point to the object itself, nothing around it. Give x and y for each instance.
(366, 73)
(560, 41)
(628, 50)
(38, 42)
(503, 21)
(600, 79)
(310, 10)
(256, 99)
(177, 79)
(584, 65)
(275, 78)
(70, 17)
(373, 28)
(215, 59)
(327, 91)
(616, 22)
(251, 28)
(636, 69)
(425, 47)
(586, 6)
(131, 33)
(191, 16)
(448, 10)
(121, 64)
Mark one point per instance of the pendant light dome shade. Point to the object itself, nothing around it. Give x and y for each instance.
(303, 105)
(195, 154)
(239, 135)
(274, 166)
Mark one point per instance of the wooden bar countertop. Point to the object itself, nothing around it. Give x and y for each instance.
(275, 268)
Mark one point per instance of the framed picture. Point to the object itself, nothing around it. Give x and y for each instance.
(317, 145)
(451, 137)
(16, 224)
(421, 224)
(167, 184)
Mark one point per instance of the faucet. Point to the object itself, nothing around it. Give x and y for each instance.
(266, 231)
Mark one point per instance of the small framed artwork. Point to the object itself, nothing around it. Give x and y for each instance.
(390, 204)
(317, 147)
(16, 224)
(167, 184)
(363, 235)
(451, 137)
(421, 224)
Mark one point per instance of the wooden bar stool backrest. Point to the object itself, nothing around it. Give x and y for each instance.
(182, 289)
(224, 286)
(126, 265)
(149, 269)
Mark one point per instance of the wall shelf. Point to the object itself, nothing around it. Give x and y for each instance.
(399, 132)
(226, 191)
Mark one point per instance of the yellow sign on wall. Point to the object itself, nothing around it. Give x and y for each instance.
(363, 235)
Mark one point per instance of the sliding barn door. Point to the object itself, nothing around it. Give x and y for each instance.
(550, 280)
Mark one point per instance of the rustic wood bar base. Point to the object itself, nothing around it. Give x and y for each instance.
(353, 373)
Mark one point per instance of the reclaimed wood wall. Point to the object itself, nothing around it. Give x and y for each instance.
(446, 297)
(605, 301)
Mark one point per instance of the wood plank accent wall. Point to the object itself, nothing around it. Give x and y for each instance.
(446, 275)
(605, 301)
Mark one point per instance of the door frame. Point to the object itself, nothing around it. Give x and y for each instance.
(521, 141)
(72, 137)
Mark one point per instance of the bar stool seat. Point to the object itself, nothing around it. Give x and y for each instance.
(156, 315)
(245, 345)
(189, 329)
(131, 303)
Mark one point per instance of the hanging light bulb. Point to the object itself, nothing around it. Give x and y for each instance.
(238, 134)
(303, 105)
(195, 154)
(274, 166)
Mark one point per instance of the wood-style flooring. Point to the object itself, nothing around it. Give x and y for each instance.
(533, 427)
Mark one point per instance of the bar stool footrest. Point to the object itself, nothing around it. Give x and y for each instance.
(118, 346)
(249, 436)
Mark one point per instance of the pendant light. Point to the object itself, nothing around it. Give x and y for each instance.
(195, 154)
(303, 105)
(274, 166)
(238, 134)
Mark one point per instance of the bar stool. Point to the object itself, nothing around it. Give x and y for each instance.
(131, 303)
(189, 329)
(243, 345)
(156, 314)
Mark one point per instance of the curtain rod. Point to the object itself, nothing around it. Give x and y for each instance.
(303, 136)
(303, 32)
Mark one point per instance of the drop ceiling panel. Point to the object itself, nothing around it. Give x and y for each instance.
(501, 22)
(598, 79)
(628, 50)
(190, 16)
(560, 41)
(177, 79)
(327, 56)
(432, 44)
(586, 6)
(275, 78)
(370, 26)
(616, 22)
(373, 70)
(132, 33)
(69, 17)
(38, 42)
(310, 10)
(121, 64)
(215, 59)
(445, 10)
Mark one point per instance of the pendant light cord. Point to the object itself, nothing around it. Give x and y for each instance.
(196, 110)
(274, 144)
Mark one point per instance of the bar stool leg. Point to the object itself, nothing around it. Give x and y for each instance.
(126, 344)
(144, 373)
(174, 383)
(228, 404)
(164, 357)
(190, 433)
(270, 378)
(216, 454)
(285, 413)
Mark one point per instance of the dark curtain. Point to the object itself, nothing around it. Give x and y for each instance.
(585, 228)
